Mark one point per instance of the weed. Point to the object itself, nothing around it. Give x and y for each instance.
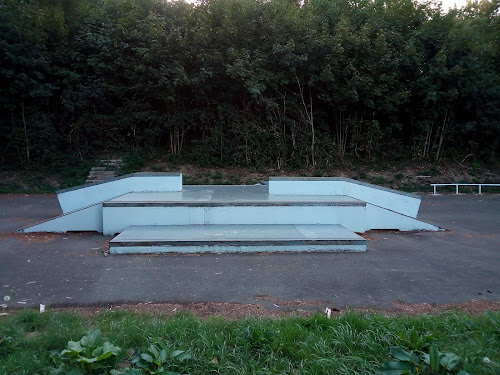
(495, 322)
(318, 173)
(7, 345)
(491, 189)
(235, 180)
(85, 356)
(154, 360)
(11, 187)
(379, 180)
(217, 175)
(413, 340)
(190, 180)
(476, 165)
(433, 171)
(434, 362)
(410, 187)
(157, 168)
(133, 161)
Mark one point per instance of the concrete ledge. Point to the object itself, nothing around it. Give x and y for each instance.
(138, 174)
(340, 179)
(234, 204)
(306, 186)
(236, 249)
(394, 200)
(89, 194)
(236, 238)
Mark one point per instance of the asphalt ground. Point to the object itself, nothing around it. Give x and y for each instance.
(458, 265)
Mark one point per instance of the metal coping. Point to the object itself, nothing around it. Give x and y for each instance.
(232, 204)
(345, 179)
(138, 174)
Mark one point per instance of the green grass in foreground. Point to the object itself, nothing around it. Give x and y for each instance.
(349, 344)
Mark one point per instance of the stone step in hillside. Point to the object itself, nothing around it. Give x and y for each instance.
(139, 239)
(105, 170)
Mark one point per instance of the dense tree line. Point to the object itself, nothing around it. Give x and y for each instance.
(280, 83)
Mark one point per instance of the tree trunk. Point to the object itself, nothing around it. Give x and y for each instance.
(308, 116)
(427, 144)
(311, 120)
(441, 138)
(25, 133)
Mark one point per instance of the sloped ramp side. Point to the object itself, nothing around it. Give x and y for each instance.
(85, 195)
(82, 220)
(398, 201)
(382, 218)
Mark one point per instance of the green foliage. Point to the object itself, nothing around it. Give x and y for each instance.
(351, 343)
(433, 171)
(399, 176)
(133, 161)
(495, 321)
(414, 340)
(249, 82)
(434, 362)
(256, 339)
(379, 180)
(85, 356)
(154, 360)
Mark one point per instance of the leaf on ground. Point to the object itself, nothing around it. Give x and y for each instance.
(147, 357)
(403, 355)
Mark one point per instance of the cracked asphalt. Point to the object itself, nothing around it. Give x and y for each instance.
(458, 265)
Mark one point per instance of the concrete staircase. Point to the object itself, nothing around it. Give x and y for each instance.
(235, 238)
(105, 170)
(153, 212)
(229, 205)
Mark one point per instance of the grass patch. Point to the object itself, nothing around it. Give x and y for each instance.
(380, 180)
(217, 178)
(133, 161)
(413, 187)
(353, 343)
(61, 174)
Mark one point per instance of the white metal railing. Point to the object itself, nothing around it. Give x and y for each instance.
(457, 185)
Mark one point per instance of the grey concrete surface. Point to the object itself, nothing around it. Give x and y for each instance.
(458, 265)
(228, 195)
(148, 239)
(239, 233)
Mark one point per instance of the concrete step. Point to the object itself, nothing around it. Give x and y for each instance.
(105, 170)
(102, 173)
(243, 205)
(113, 162)
(99, 174)
(139, 239)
